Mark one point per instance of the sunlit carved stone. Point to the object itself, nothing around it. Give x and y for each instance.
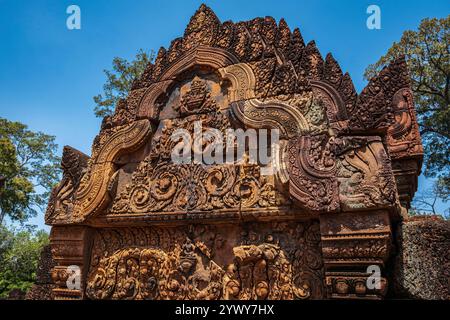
(303, 226)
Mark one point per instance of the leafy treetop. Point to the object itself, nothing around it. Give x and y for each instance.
(28, 169)
(428, 57)
(119, 81)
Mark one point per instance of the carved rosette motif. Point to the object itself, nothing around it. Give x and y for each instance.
(183, 188)
(308, 230)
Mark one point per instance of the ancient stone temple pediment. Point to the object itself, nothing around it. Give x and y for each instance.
(306, 225)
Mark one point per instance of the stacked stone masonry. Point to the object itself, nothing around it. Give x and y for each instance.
(142, 227)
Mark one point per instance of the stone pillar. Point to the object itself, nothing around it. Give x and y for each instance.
(70, 247)
(354, 245)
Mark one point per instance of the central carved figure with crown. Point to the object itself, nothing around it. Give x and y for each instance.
(142, 226)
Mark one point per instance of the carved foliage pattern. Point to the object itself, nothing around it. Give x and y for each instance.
(91, 195)
(74, 164)
(253, 261)
(273, 80)
(335, 174)
(173, 187)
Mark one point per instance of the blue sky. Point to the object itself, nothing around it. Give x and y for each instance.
(49, 74)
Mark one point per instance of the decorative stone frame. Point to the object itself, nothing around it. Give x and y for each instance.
(343, 173)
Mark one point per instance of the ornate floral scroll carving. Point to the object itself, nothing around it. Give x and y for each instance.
(182, 188)
(273, 114)
(242, 79)
(200, 262)
(254, 74)
(159, 185)
(92, 194)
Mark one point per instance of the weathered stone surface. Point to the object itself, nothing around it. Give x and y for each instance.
(43, 288)
(304, 226)
(422, 264)
(250, 261)
(40, 292)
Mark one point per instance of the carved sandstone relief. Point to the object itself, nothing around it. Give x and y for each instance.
(365, 176)
(70, 246)
(306, 230)
(313, 183)
(91, 195)
(403, 137)
(252, 261)
(329, 174)
(354, 246)
(159, 184)
(183, 188)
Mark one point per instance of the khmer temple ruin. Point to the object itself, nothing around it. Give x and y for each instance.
(140, 226)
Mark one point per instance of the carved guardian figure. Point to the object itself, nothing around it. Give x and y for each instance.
(140, 226)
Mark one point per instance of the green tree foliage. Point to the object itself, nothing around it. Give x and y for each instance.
(119, 81)
(428, 58)
(29, 169)
(19, 257)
